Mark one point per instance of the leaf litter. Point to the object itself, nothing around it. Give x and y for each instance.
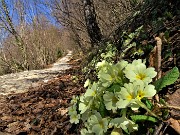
(43, 109)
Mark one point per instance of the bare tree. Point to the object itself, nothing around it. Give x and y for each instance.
(91, 22)
(69, 13)
(7, 24)
(30, 41)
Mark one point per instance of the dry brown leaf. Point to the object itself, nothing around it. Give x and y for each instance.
(49, 105)
(25, 105)
(37, 110)
(7, 118)
(20, 112)
(175, 125)
(174, 100)
(13, 127)
(40, 105)
(27, 127)
(62, 111)
(3, 133)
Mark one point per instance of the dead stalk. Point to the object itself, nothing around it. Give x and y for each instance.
(158, 61)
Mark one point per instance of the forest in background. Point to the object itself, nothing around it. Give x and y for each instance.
(34, 34)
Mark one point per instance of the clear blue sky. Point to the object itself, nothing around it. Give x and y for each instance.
(31, 10)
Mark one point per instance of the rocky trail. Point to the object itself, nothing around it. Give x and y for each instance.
(35, 102)
(22, 81)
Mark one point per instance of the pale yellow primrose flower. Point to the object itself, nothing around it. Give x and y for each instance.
(137, 62)
(84, 131)
(137, 71)
(134, 91)
(72, 109)
(88, 98)
(144, 90)
(123, 123)
(101, 64)
(84, 104)
(74, 99)
(98, 124)
(87, 83)
(110, 101)
(122, 64)
(92, 92)
(126, 96)
(74, 118)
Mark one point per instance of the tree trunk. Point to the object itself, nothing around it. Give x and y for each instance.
(10, 27)
(91, 22)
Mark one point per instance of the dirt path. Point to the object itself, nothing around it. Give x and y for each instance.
(42, 109)
(22, 81)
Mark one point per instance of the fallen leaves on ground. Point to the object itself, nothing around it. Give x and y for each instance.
(42, 110)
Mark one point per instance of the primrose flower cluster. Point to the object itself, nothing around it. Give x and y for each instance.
(103, 107)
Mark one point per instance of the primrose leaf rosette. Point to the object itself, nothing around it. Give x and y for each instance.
(138, 71)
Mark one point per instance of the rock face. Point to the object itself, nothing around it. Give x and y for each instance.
(22, 81)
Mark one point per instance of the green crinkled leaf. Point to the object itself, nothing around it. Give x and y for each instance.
(162, 101)
(148, 104)
(168, 79)
(143, 118)
(102, 109)
(114, 88)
